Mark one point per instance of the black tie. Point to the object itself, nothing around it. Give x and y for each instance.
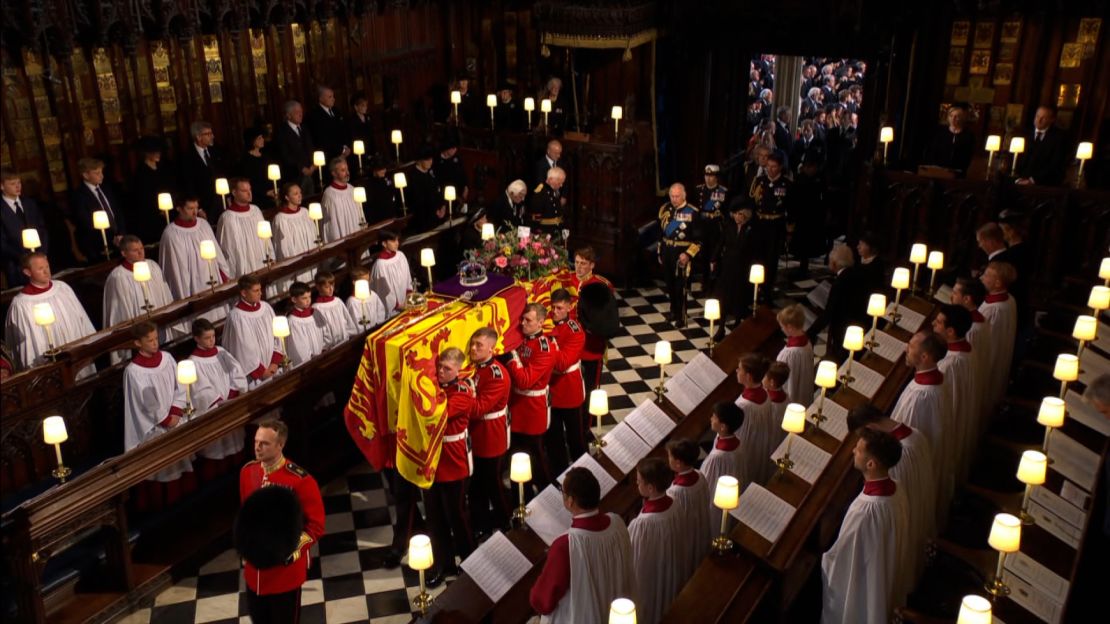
(297, 129)
(207, 158)
(1040, 135)
(19, 213)
(104, 203)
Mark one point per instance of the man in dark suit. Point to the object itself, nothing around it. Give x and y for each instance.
(784, 138)
(200, 165)
(327, 127)
(1046, 156)
(952, 145)
(550, 159)
(509, 114)
(359, 128)
(812, 103)
(425, 194)
(509, 208)
(18, 213)
(449, 170)
(91, 195)
(847, 304)
(294, 148)
(808, 148)
(731, 262)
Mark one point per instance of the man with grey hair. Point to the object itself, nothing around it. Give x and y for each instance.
(200, 166)
(784, 138)
(509, 208)
(294, 148)
(846, 305)
(342, 216)
(545, 209)
(328, 128)
(682, 240)
(552, 157)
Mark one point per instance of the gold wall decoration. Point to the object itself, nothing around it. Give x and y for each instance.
(953, 76)
(1007, 53)
(299, 53)
(956, 57)
(1003, 73)
(984, 35)
(1011, 31)
(1014, 114)
(258, 62)
(1067, 96)
(1088, 30)
(980, 62)
(1071, 55)
(960, 29)
(213, 68)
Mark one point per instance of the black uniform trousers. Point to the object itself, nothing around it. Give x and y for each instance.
(591, 376)
(676, 279)
(566, 433)
(405, 497)
(449, 523)
(712, 233)
(489, 507)
(768, 236)
(284, 608)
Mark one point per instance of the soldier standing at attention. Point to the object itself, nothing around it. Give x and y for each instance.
(771, 194)
(712, 199)
(545, 208)
(681, 242)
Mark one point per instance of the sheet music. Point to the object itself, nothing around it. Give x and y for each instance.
(1069, 513)
(1054, 586)
(650, 422)
(819, 296)
(1073, 460)
(546, 515)
(806, 284)
(763, 512)
(865, 381)
(890, 348)
(705, 373)
(911, 321)
(1085, 413)
(683, 393)
(1029, 597)
(1055, 525)
(836, 423)
(1091, 366)
(624, 447)
(809, 460)
(496, 566)
(944, 294)
(588, 462)
(811, 317)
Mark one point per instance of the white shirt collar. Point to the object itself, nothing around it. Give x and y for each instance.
(994, 253)
(92, 187)
(200, 150)
(294, 126)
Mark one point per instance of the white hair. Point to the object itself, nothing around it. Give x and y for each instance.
(516, 187)
(841, 254)
(556, 172)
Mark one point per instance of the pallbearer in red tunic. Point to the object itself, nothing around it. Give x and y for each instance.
(589, 566)
(249, 333)
(657, 542)
(149, 384)
(593, 352)
(690, 491)
(445, 501)
(530, 371)
(797, 354)
(489, 434)
(274, 594)
(567, 391)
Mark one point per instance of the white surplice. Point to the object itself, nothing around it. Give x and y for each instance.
(185, 272)
(759, 436)
(718, 463)
(959, 371)
(308, 335)
(341, 213)
(149, 385)
(249, 337)
(657, 554)
(692, 501)
(799, 386)
(391, 279)
(923, 405)
(601, 572)
(337, 318)
(915, 474)
(219, 378)
(123, 301)
(979, 336)
(238, 234)
(860, 570)
(294, 235)
(29, 341)
(1001, 312)
(373, 310)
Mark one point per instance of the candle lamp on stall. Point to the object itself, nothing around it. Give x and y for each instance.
(994, 144)
(43, 315)
(316, 213)
(712, 314)
(793, 422)
(165, 205)
(1083, 153)
(487, 231)
(934, 263)
(1065, 371)
(395, 138)
(421, 559)
(756, 276)
(401, 183)
(31, 240)
(545, 108)
(1031, 471)
(187, 376)
(281, 332)
(529, 106)
(726, 497)
(450, 197)
(617, 114)
(1099, 299)
(222, 189)
(622, 611)
(359, 148)
(919, 253)
(876, 308)
(1085, 330)
(141, 272)
(456, 99)
(853, 341)
(899, 282)
(208, 254)
(265, 233)
(599, 406)
(54, 433)
(886, 137)
(1104, 273)
(491, 102)
(1017, 147)
(1050, 415)
(319, 159)
(359, 195)
(662, 358)
(101, 223)
(974, 610)
(1005, 537)
(362, 295)
(428, 260)
(825, 378)
(273, 173)
(520, 472)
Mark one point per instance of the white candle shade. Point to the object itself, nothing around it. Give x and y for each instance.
(487, 231)
(712, 309)
(207, 250)
(141, 271)
(1032, 468)
(315, 211)
(726, 495)
(520, 468)
(876, 305)
(427, 257)
(794, 420)
(1084, 150)
(1100, 297)
(359, 148)
(1005, 533)
(186, 372)
(1104, 269)
(319, 159)
(100, 220)
(31, 239)
(1017, 145)
(165, 202)
(420, 552)
(265, 231)
(936, 260)
(901, 279)
(756, 274)
(1086, 328)
(663, 352)
(523, 231)
(529, 104)
(54, 430)
(222, 187)
(826, 374)
(617, 113)
(399, 180)
(1051, 412)
(491, 100)
(43, 313)
(281, 327)
(395, 137)
(456, 97)
(359, 194)
(622, 611)
(273, 172)
(975, 610)
(994, 143)
(362, 290)
(599, 402)
(449, 193)
(853, 338)
(545, 106)
(1067, 367)
(918, 253)
(886, 134)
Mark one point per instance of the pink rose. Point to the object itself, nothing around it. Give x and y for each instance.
(537, 246)
(554, 256)
(522, 244)
(545, 261)
(542, 251)
(501, 262)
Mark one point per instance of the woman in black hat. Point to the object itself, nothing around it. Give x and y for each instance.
(254, 167)
(150, 179)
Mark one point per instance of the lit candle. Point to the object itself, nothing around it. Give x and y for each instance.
(100, 220)
(428, 260)
(529, 106)
(1017, 146)
(395, 137)
(362, 290)
(359, 148)
(421, 559)
(207, 250)
(545, 108)
(918, 254)
(663, 352)
(899, 282)
(273, 172)
(599, 407)
(265, 232)
(487, 231)
(994, 144)
(935, 263)
(1065, 371)
(975, 610)
(222, 187)
(1104, 271)
(141, 271)
(54, 430)
(1099, 299)
(886, 137)
(1083, 153)
(853, 341)
(520, 472)
(756, 276)
(186, 372)
(712, 314)
(824, 379)
(622, 611)
(726, 496)
(1051, 412)
(359, 195)
(281, 327)
(876, 307)
(165, 204)
(43, 313)
(319, 159)
(456, 97)
(617, 114)
(449, 195)
(315, 211)
(793, 421)
(31, 239)
(1085, 330)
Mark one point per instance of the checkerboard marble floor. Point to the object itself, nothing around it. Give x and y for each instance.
(347, 582)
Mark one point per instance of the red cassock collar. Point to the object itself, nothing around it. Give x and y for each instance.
(127, 265)
(686, 479)
(31, 289)
(756, 395)
(997, 298)
(323, 299)
(147, 361)
(960, 345)
(901, 432)
(880, 487)
(386, 254)
(213, 352)
(247, 307)
(777, 396)
(977, 317)
(663, 503)
(797, 341)
(931, 377)
(596, 522)
(305, 313)
(339, 186)
(234, 207)
(731, 443)
(290, 211)
(185, 224)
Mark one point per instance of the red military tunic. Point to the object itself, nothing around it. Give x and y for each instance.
(530, 370)
(489, 429)
(281, 579)
(454, 458)
(595, 345)
(567, 389)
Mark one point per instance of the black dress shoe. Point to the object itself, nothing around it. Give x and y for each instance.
(435, 580)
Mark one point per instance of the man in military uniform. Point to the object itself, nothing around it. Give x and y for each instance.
(489, 432)
(545, 208)
(771, 195)
(530, 369)
(681, 242)
(274, 594)
(567, 390)
(711, 202)
(593, 352)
